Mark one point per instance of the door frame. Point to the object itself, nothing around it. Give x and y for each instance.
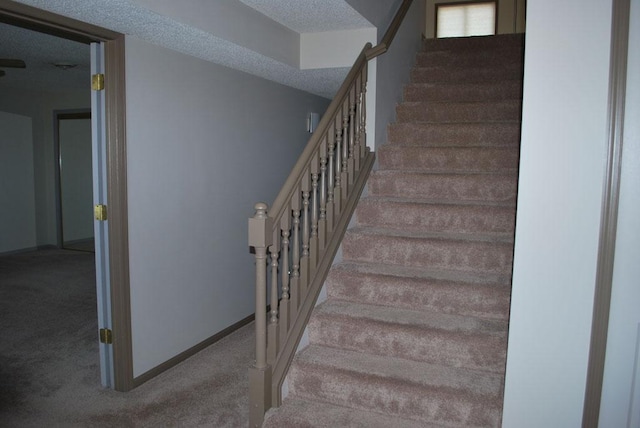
(32, 18)
(609, 211)
(59, 115)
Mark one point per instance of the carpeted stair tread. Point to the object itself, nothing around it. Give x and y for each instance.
(474, 43)
(430, 235)
(300, 413)
(490, 279)
(396, 386)
(469, 381)
(471, 58)
(491, 254)
(460, 134)
(459, 111)
(436, 338)
(464, 92)
(421, 289)
(430, 74)
(412, 318)
(414, 328)
(410, 214)
(451, 159)
(440, 201)
(465, 187)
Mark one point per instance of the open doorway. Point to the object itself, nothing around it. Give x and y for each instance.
(48, 350)
(107, 53)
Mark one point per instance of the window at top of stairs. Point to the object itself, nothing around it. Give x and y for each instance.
(468, 19)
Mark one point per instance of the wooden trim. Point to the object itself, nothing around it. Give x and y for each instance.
(191, 351)
(71, 115)
(59, 115)
(29, 17)
(290, 185)
(118, 213)
(609, 213)
(47, 22)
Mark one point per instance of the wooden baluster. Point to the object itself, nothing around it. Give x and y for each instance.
(345, 149)
(363, 123)
(306, 232)
(295, 256)
(285, 227)
(351, 166)
(337, 191)
(331, 183)
(322, 221)
(273, 336)
(260, 234)
(313, 243)
(356, 147)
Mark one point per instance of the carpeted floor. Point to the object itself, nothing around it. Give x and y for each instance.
(49, 374)
(80, 245)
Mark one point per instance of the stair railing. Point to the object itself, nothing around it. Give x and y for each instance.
(299, 235)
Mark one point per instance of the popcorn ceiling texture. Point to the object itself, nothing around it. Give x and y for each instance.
(311, 16)
(39, 52)
(128, 18)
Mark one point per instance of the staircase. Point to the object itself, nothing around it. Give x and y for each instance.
(414, 330)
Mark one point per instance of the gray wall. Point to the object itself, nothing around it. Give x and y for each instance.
(394, 66)
(564, 135)
(204, 144)
(17, 195)
(379, 13)
(39, 106)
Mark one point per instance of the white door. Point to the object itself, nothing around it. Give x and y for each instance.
(101, 227)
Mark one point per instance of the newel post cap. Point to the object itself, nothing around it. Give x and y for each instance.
(260, 227)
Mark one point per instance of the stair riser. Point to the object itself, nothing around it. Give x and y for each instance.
(493, 187)
(458, 134)
(444, 74)
(435, 218)
(487, 301)
(415, 326)
(478, 351)
(488, 257)
(484, 58)
(448, 159)
(503, 41)
(459, 112)
(384, 395)
(463, 92)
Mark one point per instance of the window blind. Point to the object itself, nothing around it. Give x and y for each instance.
(477, 19)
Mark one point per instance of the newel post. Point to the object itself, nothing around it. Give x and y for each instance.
(260, 237)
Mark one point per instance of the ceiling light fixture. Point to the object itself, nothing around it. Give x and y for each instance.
(64, 65)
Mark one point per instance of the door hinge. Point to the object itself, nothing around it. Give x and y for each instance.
(97, 82)
(106, 336)
(100, 212)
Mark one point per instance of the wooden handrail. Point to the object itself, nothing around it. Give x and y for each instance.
(390, 34)
(329, 115)
(300, 234)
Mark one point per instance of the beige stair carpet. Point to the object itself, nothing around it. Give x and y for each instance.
(414, 330)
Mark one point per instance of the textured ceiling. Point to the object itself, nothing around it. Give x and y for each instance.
(311, 16)
(39, 52)
(126, 17)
